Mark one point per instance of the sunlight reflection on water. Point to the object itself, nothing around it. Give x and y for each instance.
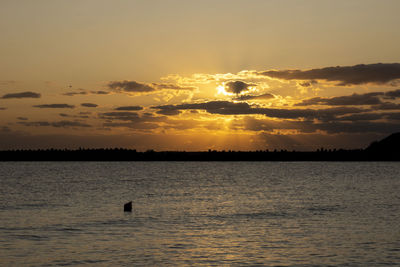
(199, 213)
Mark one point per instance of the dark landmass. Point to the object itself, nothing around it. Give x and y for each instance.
(387, 149)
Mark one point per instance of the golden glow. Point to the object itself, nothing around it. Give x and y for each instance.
(221, 90)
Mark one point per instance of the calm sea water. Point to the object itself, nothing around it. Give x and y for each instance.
(200, 213)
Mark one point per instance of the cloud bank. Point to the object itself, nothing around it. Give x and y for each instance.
(129, 108)
(89, 105)
(22, 95)
(231, 108)
(54, 106)
(348, 75)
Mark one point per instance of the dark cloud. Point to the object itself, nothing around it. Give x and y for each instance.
(3, 108)
(348, 75)
(89, 105)
(132, 125)
(171, 86)
(354, 99)
(123, 116)
(386, 106)
(75, 93)
(57, 124)
(321, 114)
(393, 94)
(370, 117)
(100, 92)
(362, 117)
(84, 92)
(231, 108)
(129, 108)
(254, 124)
(237, 87)
(374, 98)
(22, 95)
(359, 127)
(252, 97)
(82, 115)
(393, 116)
(130, 86)
(308, 83)
(22, 118)
(54, 106)
(168, 112)
(137, 87)
(131, 120)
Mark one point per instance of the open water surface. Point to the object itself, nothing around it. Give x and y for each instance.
(200, 213)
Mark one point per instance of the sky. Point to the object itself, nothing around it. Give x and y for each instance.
(198, 75)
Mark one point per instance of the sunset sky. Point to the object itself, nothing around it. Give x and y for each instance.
(198, 75)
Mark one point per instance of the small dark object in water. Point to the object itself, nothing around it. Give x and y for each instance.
(128, 206)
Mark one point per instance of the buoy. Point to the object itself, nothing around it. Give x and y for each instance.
(128, 207)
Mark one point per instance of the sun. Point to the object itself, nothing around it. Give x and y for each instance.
(221, 91)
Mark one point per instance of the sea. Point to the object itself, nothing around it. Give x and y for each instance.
(200, 214)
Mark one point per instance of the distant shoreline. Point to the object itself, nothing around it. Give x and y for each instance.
(133, 155)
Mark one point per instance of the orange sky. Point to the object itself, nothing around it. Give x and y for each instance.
(198, 75)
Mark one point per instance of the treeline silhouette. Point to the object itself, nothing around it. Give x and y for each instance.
(385, 150)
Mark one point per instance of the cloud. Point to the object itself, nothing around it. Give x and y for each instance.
(252, 97)
(137, 87)
(75, 93)
(129, 108)
(171, 86)
(131, 120)
(54, 106)
(237, 87)
(242, 108)
(308, 83)
(100, 92)
(348, 75)
(132, 125)
(393, 116)
(84, 92)
(82, 115)
(57, 124)
(22, 95)
(363, 124)
(370, 117)
(22, 118)
(89, 105)
(373, 98)
(168, 112)
(130, 86)
(386, 106)
(359, 127)
(362, 117)
(354, 99)
(3, 108)
(392, 94)
(124, 116)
